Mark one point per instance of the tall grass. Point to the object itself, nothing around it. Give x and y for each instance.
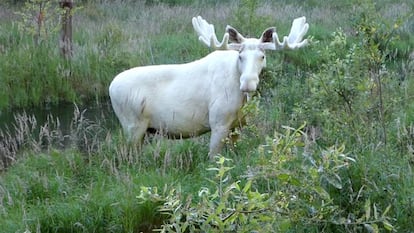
(110, 37)
(86, 179)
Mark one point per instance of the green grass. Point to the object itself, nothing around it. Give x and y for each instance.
(60, 192)
(333, 85)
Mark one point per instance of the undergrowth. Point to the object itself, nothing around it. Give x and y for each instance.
(348, 168)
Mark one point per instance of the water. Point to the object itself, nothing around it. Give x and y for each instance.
(100, 113)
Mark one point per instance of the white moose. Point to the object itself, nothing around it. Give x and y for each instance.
(184, 100)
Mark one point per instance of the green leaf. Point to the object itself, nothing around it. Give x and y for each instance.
(225, 179)
(386, 211)
(375, 211)
(387, 225)
(221, 160)
(322, 192)
(232, 186)
(283, 177)
(203, 191)
(285, 225)
(334, 180)
(295, 181)
(247, 186)
(212, 169)
(367, 208)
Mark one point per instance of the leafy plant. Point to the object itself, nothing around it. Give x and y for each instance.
(296, 181)
(39, 19)
(246, 19)
(228, 206)
(289, 189)
(306, 180)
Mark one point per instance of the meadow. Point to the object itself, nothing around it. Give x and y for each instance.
(328, 145)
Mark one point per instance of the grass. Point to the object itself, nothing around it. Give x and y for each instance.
(86, 178)
(93, 186)
(63, 193)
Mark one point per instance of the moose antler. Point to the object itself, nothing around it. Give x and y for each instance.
(207, 34)
(294, 39)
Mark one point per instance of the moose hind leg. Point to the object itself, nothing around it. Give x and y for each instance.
(136, 132)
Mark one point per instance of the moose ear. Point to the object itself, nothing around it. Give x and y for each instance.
(267, 35)
(234, 35)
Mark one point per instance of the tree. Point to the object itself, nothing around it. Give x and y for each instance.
(65, 40)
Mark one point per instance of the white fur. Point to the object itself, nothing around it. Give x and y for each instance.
(182, 100)
(190, 99)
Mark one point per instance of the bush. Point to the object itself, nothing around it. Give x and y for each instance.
(291, 188)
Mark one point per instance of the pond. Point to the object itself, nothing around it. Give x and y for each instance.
(98, 112)
(58, 126)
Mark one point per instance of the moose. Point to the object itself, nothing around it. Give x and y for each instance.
(185, 100)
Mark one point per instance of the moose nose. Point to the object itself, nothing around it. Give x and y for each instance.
(248, 84)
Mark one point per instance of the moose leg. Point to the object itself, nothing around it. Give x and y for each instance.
(218, 135)
(137, 131)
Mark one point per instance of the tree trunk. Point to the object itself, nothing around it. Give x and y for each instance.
(65, 40)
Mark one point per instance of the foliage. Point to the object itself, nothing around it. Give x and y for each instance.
(306, 179)
(46, 78)
(247, 20)
(341, 86)
(229, 207)
(39, 19)
(297, 194)
(354, 83)
(82, 188)
(59, 192)
(353, 86)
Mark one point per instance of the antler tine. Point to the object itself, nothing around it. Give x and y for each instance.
(207, 34)
(294, 39)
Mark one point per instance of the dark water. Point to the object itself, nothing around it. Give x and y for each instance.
(97, 112)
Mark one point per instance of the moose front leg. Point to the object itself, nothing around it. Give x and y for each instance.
(218, 136)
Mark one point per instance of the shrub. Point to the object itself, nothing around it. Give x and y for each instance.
(290, 188)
